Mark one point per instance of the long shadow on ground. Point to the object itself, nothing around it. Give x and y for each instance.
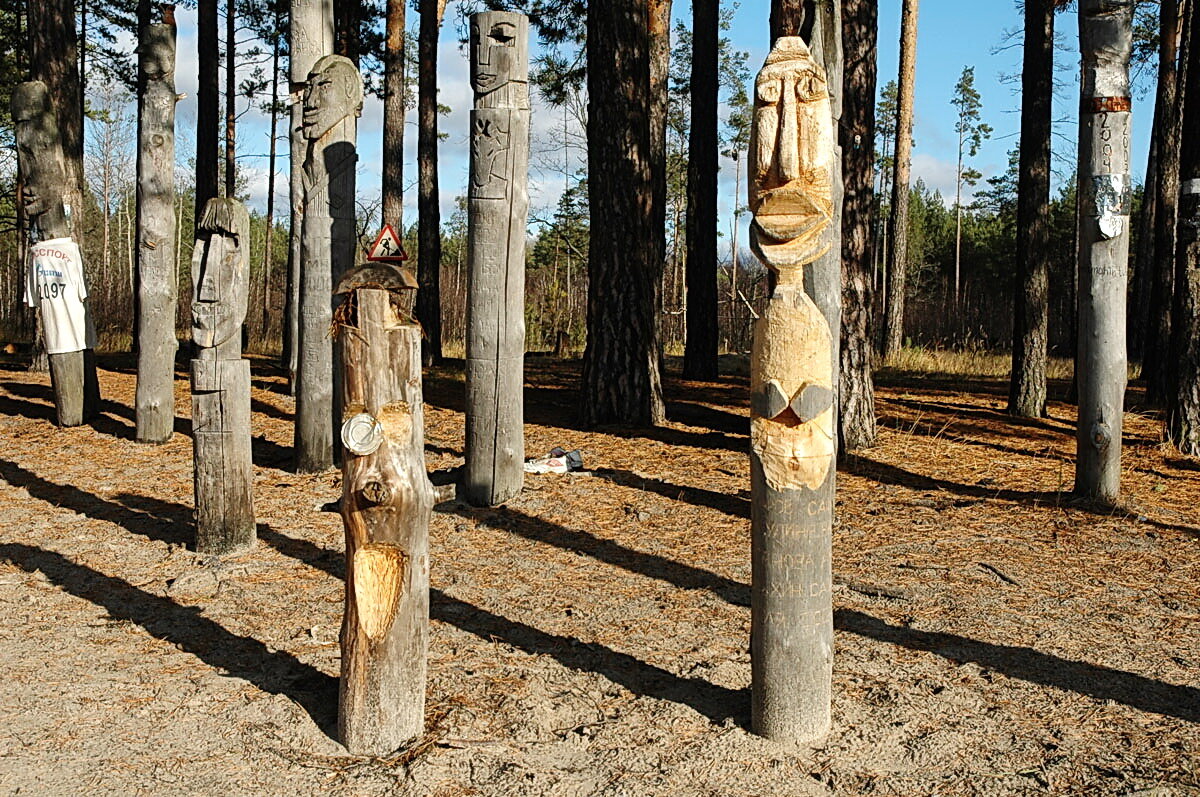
(283, 673)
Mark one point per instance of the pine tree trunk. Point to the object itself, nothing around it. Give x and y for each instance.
(393, 117)
(621, 378)
(207, 105)
(1031, 304)
(1105, 40)
(346, 14)
(230, 100)
(269, 245)
(857, 391)
(893, 336)
(1183, 406)
(700, 353)
(1167, 135)
(53, 59)
(157, 279)
(1143, 257)
(429, 214)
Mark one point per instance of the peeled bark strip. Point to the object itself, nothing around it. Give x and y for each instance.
(496, 211)
(387, 500)
(157, 280)
(332, 103)
(1105, 40)
(224, 473)
(40, 153)
(792, 401)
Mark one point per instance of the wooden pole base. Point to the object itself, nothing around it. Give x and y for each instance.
(224, 473)
(76, 389)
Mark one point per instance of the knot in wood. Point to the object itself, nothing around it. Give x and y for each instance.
(376, 493)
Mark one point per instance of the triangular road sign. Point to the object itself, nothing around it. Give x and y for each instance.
(387, 247)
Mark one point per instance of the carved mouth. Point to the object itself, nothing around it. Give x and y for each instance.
(786, 213)
(485, 79)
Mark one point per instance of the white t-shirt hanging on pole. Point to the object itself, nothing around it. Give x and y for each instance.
(55, 286)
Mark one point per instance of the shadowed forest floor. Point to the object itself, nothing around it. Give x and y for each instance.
(590, 637)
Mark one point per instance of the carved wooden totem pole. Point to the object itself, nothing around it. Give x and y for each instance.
(224, 475)
(157, 280)
(55, 282)
(496, 211)
(332, 103)
(387, 500)
(791, 402)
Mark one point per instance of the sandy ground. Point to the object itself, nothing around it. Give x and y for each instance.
(591, 636)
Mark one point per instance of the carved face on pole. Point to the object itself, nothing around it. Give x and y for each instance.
(791, 146)
(334, 91)
(220, 273)
(498, 56)
(38, 147)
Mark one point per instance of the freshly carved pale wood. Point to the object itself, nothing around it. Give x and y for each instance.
(224, 473)
(40, 154)
(387, 500)
(157, 280)
(332, 103)
(1105, 42)
(792, 408)
(496, 214)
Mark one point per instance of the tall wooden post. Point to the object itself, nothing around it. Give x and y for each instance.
(387, 501)
(1105, 41)
(310, 36)
(157, 280)
(792, 413)
(224, 474)
(332, 103)
(63, 291)
(496, 212)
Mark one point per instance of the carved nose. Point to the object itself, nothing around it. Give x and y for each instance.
(789, 132)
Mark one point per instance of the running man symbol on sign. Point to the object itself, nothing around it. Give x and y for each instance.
(387, 247)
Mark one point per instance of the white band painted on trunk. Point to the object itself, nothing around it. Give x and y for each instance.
(1190, 186)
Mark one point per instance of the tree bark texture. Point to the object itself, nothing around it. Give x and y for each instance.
(230, 99)
(46, 181)
(207, 105)
(497, 205)
(346, 15)
(1105, 40)
(1167, 135)
(310, 38)
(429, 214)
(387, 501)
(393, 116)
(157, 280)
(1183, 406)
(700, 352)
(856, 395)
(792, 401)
(53, 59)
(659, 15)
(1031, 304)
(621, 379)
(224, 473)
(332, 103)
(897, 260)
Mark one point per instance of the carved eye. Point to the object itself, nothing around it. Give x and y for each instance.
(768, 91)
(504, 33)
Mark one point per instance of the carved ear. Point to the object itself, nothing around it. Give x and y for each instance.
(811, 401)
(770, 400)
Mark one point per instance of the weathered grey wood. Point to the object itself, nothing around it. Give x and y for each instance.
(157, 280)
(224, 473)
(310, 37)
(496, 214)
(792, 412)
(332, 103)
(387, 500)
(1105, 42)
(40, 153)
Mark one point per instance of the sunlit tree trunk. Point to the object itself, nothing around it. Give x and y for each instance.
(897, 262)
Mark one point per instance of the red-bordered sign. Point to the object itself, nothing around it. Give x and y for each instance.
(387, 247)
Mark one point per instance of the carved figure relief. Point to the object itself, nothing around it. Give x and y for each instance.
(489, 155)
(791, 150)
(220, 280)
(791, 144)
(39, 149)
(333, 93)
(500, 60)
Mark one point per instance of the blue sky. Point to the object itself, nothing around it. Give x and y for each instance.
(952, 34)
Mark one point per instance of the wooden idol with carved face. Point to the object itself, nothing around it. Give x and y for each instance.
(791, 151)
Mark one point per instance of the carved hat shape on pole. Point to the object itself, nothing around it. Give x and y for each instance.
(334, 92)
(791, 150)
(499, 55)
(38, 146)
(220, 272)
